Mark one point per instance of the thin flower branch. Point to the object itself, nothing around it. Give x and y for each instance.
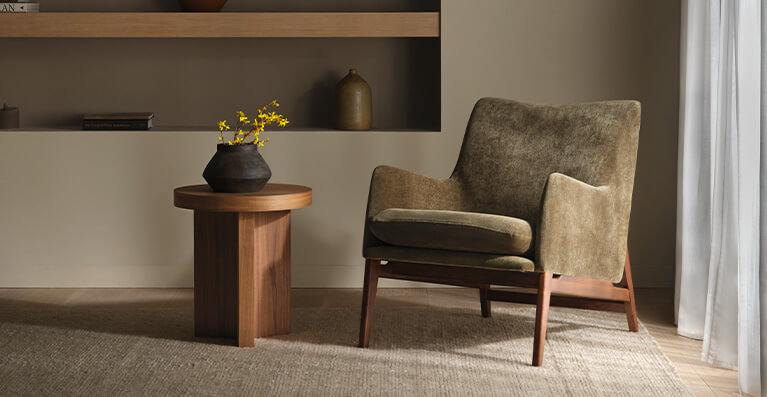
(257, 125)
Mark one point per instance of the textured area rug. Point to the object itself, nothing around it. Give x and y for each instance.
(420, 351)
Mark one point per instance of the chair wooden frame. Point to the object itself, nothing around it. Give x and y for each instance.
(552, 290)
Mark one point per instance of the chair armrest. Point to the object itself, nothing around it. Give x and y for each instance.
(392, 187)
(580, 233)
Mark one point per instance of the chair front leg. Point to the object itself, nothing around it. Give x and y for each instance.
(541, 317)
(368, 300)
(630, 305)
(484, 302)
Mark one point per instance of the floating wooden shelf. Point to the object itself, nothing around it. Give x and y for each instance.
(213, 131)
(219, 25)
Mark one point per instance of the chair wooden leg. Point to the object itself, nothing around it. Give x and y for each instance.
(368, 300)
(630, 306)
(484, 302)
(541, 317)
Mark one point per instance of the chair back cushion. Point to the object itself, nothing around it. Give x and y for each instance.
(510, 148)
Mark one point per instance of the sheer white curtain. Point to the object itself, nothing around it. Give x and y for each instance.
(722, 193)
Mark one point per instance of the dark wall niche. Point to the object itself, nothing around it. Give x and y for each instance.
(192, 83)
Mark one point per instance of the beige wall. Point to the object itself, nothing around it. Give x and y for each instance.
(95, 209)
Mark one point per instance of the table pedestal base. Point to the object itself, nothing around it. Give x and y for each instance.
(241, 274)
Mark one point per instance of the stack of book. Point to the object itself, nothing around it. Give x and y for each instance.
(20, 6)
(118, 121)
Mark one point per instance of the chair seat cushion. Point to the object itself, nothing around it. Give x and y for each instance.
(450, 258)
(453, 230)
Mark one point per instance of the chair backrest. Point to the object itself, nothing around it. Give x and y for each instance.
(510, 148)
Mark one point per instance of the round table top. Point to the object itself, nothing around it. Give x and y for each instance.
(273, 197)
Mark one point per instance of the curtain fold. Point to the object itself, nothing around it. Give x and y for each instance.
(763, 206)
(721, 191)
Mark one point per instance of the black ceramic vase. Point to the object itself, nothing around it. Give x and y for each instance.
(202, 5)
(237, 169)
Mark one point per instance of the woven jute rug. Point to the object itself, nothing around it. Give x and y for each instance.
(418, 351)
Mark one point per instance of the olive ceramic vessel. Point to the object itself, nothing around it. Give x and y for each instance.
(237, 169)
(354, 103)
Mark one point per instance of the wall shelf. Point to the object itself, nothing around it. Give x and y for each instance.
(214, 133)
(218, 25)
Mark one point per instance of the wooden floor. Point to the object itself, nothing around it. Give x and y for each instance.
(655, 308)
(656, 311)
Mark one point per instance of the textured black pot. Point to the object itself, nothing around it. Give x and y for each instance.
(202, 5)
(237, 169)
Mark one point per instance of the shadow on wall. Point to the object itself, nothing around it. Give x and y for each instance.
(319, 247)
(318, 101)
(160, 244)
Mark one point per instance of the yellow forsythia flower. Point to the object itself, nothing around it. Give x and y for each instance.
(257, 125)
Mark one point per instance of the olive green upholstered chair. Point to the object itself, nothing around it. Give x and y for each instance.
(540, 198)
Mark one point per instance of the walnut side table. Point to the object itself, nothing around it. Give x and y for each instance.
(242, 259)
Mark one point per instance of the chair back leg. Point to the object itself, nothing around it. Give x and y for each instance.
(630, 305)
(541, 317)
(484, 302)
(368, 300)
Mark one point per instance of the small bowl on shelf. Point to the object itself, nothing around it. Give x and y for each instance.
(202, 5)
